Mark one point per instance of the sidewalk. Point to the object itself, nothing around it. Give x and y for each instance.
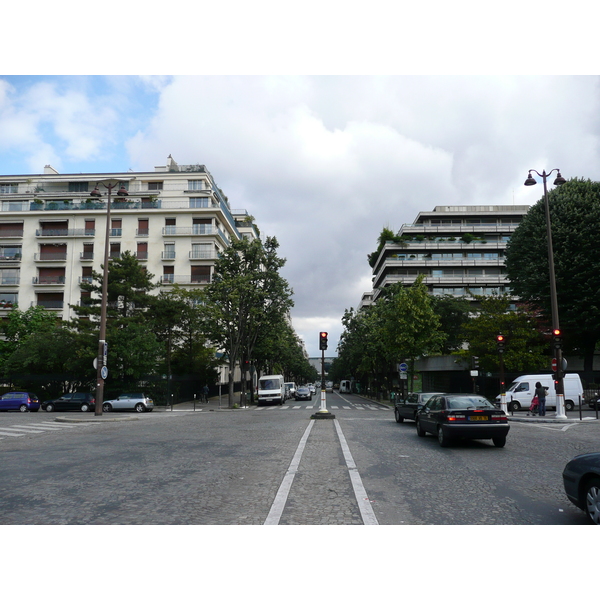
(213, 404)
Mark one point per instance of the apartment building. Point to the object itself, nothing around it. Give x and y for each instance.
(458, 249)
(174, 219)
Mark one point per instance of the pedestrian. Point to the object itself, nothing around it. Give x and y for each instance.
(205, 391)
(540, 392)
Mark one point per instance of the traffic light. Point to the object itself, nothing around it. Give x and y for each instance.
(475, 363)
(323, 340)
(500, 342)
(557, 338)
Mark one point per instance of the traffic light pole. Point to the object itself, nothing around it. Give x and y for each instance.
(323, 413)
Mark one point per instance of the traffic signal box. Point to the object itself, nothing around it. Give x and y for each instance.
(323, 340)
(557, 339)
(500, 340)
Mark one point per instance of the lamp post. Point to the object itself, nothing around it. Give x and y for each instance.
(560, 398)
(101, 358)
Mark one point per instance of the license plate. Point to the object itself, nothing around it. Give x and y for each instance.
(478, 418)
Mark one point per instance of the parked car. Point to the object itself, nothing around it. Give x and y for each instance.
(82, 401)
(451, 416)
(406, 408)
(23, 401)
(581, 480)
(137, 401)
(303, 393)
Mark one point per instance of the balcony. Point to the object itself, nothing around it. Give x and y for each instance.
(168, 254)
(169, 279)
(49, 280)
(203, 255)
(64, 232)
(54, 256)
(10, 258)
(10, 280)
(51, 304)
(141, 255)
(86, 256)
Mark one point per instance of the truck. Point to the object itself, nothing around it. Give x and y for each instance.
(345, 386)
(271, 390)
(522, 390)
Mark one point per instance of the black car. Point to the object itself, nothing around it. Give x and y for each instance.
(82, 401)
(452, 416)
(406, 408)
(303, 393)
(581, 480)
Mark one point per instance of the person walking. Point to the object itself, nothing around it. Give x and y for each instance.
(205, 391)
(540, 392)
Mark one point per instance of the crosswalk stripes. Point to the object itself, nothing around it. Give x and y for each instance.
(12, 431)
(311, 407)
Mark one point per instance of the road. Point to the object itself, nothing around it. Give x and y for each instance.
(277, 466)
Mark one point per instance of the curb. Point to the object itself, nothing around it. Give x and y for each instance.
(94, 420)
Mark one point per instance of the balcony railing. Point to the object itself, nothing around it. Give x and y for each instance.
(49, 280)
(64, 232)
(52, 304)
(169, 279)
(86, 256)
(50, 256)
(10, 280)
(168, 255)
(10, 257)
(203, 254)
(141, 255)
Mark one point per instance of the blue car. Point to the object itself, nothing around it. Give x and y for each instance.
(23, 401)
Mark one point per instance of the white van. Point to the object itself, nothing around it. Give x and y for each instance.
(522, 390)
(271, 389)
(345, 387)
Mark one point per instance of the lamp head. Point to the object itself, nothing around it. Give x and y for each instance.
(530, 180)
(559, 179)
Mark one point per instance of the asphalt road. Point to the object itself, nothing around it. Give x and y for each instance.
(276, 465)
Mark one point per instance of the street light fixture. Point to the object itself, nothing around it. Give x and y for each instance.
(101, 368)
(560, 399)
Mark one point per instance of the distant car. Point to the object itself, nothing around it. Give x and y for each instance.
(406, 408)
(329, 386)
(312, 388)
(452, 416)
(290, 389)
(23, 401)
(303, 393)
(137, 401)
(82, 401)
(581, 480)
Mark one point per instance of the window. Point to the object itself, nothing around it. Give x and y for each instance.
(155, 185)
(142, 251)
(195, 184)
(9, 188)
(116, 227)
(199, 202)
(88, 251)
(115, 250)
(78, 186)
(11, 229)
(168, 274)
(90, 227)
(143, 227)
(10, 252)
(200, 274)
(169, 251)
(202, 251)
(7, 300)
(86, 274)
(9, 276)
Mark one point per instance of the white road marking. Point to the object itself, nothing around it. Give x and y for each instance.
(284, 489)
(27, 429)
(364, 505)
(3, 432)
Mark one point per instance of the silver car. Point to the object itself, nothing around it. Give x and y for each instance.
(137, 401)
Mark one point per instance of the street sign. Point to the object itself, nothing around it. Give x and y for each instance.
(104, 372)
(554, 364)
(564, 364)
(402, 367)
(403, 376)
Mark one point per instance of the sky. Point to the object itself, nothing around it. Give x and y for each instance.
(323, 162)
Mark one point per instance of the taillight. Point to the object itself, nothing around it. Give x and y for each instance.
(456, 417)
(499, 418)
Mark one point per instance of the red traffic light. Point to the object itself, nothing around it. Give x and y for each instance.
(556, 332)
(323, 334)
(499, 338)
(323, 340)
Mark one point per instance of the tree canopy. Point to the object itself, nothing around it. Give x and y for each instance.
(575, 221)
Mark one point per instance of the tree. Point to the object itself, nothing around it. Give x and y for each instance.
(575, 220)
(246, 293)
(524, 349)
(454, 315)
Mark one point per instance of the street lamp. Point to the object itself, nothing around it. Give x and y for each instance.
(560, 399)
(101, 368)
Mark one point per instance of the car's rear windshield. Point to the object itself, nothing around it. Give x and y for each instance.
(469, 402)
